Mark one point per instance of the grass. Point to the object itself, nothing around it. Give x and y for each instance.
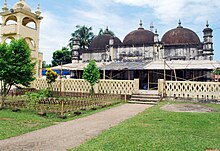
(17, 123)
(158, 130)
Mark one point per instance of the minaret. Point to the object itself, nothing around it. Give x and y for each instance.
(208, 44)
(157, 46)
(26, 24)
(5, 7)
(75, 50)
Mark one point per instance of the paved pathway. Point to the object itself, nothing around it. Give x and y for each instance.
(73, 133)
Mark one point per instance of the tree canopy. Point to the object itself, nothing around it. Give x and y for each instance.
(84, 34)
(63, 55)
(16, 66)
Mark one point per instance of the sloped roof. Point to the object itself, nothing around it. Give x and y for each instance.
(125, 66)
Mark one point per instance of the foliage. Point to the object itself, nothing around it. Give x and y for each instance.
(51, 77)
(217, 72)
(45, 65)
(16, 67)
(63, 55)
(159, 130)
(84, 34)
(33, 97)
(91, 74)
(102, 32)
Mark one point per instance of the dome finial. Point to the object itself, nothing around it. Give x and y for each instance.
(141, 24)
(106, 32)
(207, 23)
(152, 26)
(180, 26)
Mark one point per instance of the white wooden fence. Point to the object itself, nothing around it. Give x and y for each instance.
(190, 89)
(125, 87)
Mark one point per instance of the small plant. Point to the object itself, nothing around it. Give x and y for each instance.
(51, 77)
(33, 97)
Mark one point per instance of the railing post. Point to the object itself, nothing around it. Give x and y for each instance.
(161, 87)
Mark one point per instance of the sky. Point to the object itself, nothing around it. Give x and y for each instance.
(121, 17)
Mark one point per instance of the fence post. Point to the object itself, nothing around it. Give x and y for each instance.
(96, 87)
(62, 108)
(136, 85)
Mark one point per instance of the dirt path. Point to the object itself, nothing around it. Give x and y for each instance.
(71, 134)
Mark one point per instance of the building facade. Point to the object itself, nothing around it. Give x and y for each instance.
(21, 22)
(143, 45)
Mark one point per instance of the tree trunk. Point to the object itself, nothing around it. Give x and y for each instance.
(3, 95)
(92, 91)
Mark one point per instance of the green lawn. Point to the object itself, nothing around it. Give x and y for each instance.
(17, 123)
(157, 130)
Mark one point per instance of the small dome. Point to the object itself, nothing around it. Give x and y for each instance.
(139, 37)
(180, 36)
(22, 3)
(100, 42)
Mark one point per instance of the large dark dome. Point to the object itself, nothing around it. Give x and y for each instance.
(100, 42)
(180, 36)
(139, 37)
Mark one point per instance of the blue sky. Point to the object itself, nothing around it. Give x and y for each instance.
(122, 17)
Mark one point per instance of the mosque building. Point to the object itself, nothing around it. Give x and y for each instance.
(180, 54)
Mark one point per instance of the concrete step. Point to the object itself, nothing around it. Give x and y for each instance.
(145, 96)
(142, 98)
(145, 99)
(141, 102)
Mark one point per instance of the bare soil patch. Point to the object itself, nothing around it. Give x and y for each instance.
(188, 108)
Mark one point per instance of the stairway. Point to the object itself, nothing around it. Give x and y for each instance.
(147, 97)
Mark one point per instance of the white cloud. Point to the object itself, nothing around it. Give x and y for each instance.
(54, 34)
(171, 10)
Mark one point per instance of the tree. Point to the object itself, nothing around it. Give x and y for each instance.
(102, 32)
(63, 55)
(45, 65)
(83, 34)
(91, 74)
(16, 66)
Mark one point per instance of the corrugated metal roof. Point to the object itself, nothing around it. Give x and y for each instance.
(180, 64)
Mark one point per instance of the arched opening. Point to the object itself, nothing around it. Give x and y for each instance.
(28, 22)
(9, 39)
(11, 20)
(30, 42)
